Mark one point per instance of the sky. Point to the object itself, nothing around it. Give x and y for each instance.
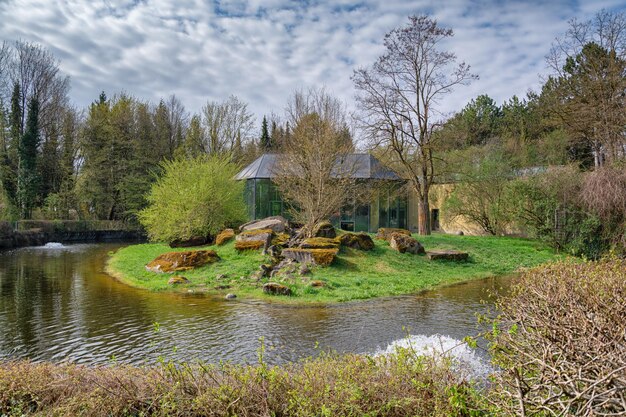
(263, 50)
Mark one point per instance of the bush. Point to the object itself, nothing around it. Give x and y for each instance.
(560, 341)
(194, 197)
(353, 385)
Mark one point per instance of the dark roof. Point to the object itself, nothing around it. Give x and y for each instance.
(367, 167)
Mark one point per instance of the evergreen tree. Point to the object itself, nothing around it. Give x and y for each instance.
(28, 179)
(9, 155)
(266, 140)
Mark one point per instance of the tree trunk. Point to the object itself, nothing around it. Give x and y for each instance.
(423, 216)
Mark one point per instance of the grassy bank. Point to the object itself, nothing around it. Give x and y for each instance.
(354, 274)
(350, 385)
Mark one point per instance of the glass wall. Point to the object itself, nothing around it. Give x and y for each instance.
(389, 209)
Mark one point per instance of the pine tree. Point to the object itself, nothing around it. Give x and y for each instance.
(9, 157)
(266, 140)
(28, 179)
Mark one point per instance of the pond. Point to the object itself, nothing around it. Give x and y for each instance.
(58, 304)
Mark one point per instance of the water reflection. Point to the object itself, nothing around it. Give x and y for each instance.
(58, 304)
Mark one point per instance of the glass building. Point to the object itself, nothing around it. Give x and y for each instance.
(388, 207)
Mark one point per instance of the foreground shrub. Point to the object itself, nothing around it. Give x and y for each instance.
(194, 197)
(561, 341)
(352, 385)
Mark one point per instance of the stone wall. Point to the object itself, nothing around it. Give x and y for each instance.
(37, 233)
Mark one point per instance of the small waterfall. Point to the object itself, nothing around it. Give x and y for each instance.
(464, 361)
(54, 245)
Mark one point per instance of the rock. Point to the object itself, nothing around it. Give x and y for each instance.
(244, 246)
(221, 287)
(447, 255)
(278, 224)
(281, 239)
(274, 252)
(324, 229)
(266, 270)
(177, 279)
(230, 296)
(359, 241)
(322, 257)
(385, 233)
(257, 276)
(317, 283)
(275, 288)
(221, 276)
(182, 261)
(194, 241)
(224, 236)
(406, 244)
(285, 267)
(319, 243)
(460, 233)
(304, 270)
(253, 239)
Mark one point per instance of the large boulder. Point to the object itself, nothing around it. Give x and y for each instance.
(278, 224)
(191, 242)
(274, 288)
(324, 229)
(182, 261)
(360, 241)
(406, 244)
(447, 255)
(224, 236)
(385, 233)
(322, 257)
(254, 239)
(319, 243)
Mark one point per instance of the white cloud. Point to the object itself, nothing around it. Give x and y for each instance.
(262, 50)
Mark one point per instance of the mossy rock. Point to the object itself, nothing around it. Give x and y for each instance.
(385, 233)
(182, 261)
(319, 243)
(177, 280)
(406, 244)
(256, 232)
(321, 257)
(324, 229)
(249, 245)
(224, 236)
(359, 241)
(280, 239)
(275, 288)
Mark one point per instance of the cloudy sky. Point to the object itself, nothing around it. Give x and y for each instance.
(261, 50)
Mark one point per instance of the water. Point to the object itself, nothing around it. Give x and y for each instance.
(56, 303)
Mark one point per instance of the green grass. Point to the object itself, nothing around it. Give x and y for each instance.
(354, 275)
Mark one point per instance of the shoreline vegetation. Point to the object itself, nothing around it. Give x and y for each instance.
(354, 275)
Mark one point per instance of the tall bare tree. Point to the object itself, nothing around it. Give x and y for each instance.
(228, 125)
(315, 171)
(398, 98)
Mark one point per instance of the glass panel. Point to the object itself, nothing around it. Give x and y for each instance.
(402, 210)
(262, 198)
(248, 196)
(383, 210)
(361, 218)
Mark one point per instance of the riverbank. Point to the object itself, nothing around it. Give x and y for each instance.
(39, 232)
(399, 384)
(355, 275)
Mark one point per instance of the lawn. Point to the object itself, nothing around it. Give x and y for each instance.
(354, 275)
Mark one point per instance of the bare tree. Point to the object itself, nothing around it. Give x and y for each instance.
(588, 84)
(398, 99)
(315, 170)
(228, 125)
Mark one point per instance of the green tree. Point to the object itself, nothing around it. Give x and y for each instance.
(194, 197)
(266, 140)
(28, 178)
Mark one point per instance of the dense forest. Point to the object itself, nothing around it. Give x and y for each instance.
(557, 150)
